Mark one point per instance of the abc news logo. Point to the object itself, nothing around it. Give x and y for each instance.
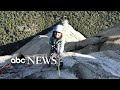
(18, 60)
(42, 59)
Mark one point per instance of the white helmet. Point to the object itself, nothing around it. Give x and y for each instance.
(59, 28)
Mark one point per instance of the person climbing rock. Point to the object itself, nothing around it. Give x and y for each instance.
(57, 43)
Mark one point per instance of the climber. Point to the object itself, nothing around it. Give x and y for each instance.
(57, 43)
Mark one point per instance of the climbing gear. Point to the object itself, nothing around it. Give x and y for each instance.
(4, 68)
(60, 66)
(15, 65)
(53, 50)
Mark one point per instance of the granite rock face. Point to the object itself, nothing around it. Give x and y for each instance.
(99, 63)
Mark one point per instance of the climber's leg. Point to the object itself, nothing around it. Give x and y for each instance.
(60, 62)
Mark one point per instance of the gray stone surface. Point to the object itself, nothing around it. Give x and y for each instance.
(97, 65)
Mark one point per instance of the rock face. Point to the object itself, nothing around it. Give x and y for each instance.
(95, 66)
(76, 66)
(100, 63)
(106, 40)
(95, 41)
(88, 49)
(38, 45)
(4, 59)
(70, 34)
(113, 35)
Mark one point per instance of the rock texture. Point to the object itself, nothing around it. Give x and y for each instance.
(108, 39)
(99, 63)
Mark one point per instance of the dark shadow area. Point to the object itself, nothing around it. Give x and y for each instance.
(90, 48)
(110, 46)
(72, 46)
(12, 47)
